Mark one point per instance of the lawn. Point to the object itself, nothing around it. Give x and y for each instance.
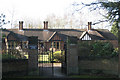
(86, 76)
(93, 76)
(69, 77)
(44, 58)
(40, 57)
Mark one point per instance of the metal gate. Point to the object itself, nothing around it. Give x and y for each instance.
(48, 64)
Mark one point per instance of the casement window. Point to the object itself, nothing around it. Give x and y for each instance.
(15, 45)
(12, 44)
(52, 43)
(55, 44)
(9, 45)
(58, 46)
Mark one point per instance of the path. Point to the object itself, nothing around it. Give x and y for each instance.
(47, 70)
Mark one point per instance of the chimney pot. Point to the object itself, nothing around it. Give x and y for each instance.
(20, 25)
(46, 24)
(89, 25)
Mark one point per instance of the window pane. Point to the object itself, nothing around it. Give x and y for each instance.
(57, 45)
(54, 45)
(41, 44)
(51, 44)
(14, 44)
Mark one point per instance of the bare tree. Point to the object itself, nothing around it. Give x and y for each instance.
(105, 9)
(64, 21)
(13, 13)
(32, 23)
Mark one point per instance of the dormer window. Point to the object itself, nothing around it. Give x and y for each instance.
(86, 37)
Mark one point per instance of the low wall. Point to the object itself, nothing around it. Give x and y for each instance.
(15, 65)
(106, 66)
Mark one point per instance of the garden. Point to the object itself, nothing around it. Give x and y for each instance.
(97, 49)
(47, 57)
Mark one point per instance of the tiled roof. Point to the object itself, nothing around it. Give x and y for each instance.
(44, 35)
(107, 34)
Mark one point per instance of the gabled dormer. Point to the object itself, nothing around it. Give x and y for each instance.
(85, 36)
(12, 37)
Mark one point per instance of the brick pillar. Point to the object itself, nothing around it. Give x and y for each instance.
(72, 59)
(33, 62)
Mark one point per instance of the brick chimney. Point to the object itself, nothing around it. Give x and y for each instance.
(89, 25)
(45, 24)
(20, 25)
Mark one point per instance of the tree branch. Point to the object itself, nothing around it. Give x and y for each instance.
(99, 21)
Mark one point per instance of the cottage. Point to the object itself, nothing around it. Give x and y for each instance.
(56, 38)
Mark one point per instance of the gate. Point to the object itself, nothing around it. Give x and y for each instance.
(45, 64)
(51, 63)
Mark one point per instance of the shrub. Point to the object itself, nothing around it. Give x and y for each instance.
(57, 56)
(8, 56)
(115, 52)
(97, 49)
(102, 49)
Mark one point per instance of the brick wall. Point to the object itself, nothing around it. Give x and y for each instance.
(14, 65)
(107, 66)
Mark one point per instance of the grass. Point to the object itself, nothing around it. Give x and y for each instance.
(57, 52)
(41, 58)
(33, 77)
(26, 56)
(86, 76)
(91, 76)
(73, 76)
(44, 58)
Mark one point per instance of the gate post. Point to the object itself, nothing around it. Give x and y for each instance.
(72, 59)
(33, 56)
(33, 62)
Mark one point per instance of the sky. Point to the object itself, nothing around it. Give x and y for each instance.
(36, 9)
(32, 8)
